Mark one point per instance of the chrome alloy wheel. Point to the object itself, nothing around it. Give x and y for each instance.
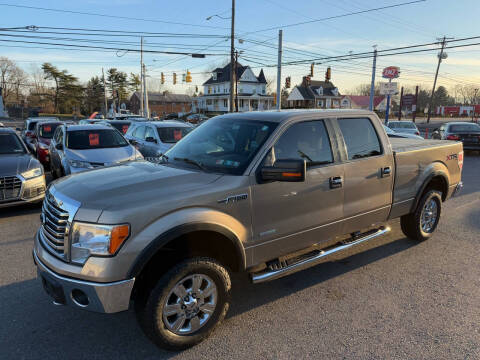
(190, 304)
(429, 216)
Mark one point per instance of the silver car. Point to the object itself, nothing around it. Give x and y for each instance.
(394, 134)
(76, 148)
(407, 127)
(22, 179)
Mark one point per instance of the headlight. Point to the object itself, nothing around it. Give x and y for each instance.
(30, 174)
(80, 164)
(95, 239)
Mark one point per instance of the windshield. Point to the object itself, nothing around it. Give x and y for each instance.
(225, 145)
(464, 128)
(172, 134)
(10, 144)
(94, 139)
(402, 125)
(121, 126)
(47, 130)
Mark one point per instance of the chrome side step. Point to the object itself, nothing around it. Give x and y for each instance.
(270, 274)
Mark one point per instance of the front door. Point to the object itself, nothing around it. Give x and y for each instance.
(369, 174)
(295, 215)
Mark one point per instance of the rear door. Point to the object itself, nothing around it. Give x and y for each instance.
(138, 135)
(295, 215)
(368, 173)
(150, 148)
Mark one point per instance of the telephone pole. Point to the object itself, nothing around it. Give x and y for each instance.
(232, 57)
(441, 56)
(236, 82)
(279, 71)
(141, 76)
(104, 94)
(146, 112)
(401, 105)
(372, 86)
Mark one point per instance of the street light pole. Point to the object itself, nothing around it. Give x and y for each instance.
(440, 58)
(232, 57)
(279, 71)
(141, 75)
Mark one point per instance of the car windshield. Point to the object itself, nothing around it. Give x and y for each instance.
(464, 128)
(224, 145)
(10, 144)
(121, 126)
(94, 139)
(47, 130)
(171, 135)
(402, 125)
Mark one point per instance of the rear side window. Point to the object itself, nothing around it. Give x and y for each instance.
(360, 137)
(307, 140)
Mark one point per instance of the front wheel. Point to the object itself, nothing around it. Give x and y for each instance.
(186, 304)
(421, 224)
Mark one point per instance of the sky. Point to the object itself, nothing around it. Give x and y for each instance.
(417, 23)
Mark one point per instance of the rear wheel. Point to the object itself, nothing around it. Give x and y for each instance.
(421, 224)
(186, 304)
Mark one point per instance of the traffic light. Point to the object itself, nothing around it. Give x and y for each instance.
(183, 77)
(287, 82)
(188, 78)
(311, 69)
(174, 78)
(328, 74)
(162, 77)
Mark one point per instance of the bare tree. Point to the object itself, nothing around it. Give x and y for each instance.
(7, 70)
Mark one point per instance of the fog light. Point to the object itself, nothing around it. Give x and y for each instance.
(80, 298)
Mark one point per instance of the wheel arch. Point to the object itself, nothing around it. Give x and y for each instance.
(437, 179)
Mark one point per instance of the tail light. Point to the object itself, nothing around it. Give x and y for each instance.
(29, 134)
(460, 160)
(453, 137)
(417, 132)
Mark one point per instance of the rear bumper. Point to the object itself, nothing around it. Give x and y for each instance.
(97, 297)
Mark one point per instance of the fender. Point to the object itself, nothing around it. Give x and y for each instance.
(438, 170)
(158, 242)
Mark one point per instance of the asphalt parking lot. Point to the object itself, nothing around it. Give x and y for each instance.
(392, 298)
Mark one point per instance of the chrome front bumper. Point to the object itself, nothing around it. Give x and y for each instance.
(98, 297)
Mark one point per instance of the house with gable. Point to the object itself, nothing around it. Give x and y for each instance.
(251, 91)
(363, 102)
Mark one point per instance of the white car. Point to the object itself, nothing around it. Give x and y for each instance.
(392, 133)
(404, 127)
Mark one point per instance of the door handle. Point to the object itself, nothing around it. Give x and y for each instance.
(386, 171)
(336, 182)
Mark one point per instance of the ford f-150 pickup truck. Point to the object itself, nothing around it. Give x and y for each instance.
(269, 193)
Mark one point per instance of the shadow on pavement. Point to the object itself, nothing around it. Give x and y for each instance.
(18, 210)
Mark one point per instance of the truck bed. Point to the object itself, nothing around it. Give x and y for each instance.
(414, 162)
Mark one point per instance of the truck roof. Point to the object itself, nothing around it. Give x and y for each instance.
(283, 115)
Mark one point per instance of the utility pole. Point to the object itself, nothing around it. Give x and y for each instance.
(372, 86)
(233, 75)
(104, 95)
(141, 75)
(401, 105)
(473, 104)
(414, 106)
(236, 82)
(146, 112)
(279, 71)
(440, 57)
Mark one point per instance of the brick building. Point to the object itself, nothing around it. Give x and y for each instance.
(162, 103)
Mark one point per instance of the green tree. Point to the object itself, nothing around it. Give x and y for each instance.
(93, 96)
(134, 82)
(67, 93)
(117, 82)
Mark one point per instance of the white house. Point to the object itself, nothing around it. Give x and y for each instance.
(252, 91)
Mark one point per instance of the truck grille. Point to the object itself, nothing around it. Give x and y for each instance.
(54, 225)
(10, 187)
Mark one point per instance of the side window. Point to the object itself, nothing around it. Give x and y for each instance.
(360, 138)
(139, 132)
(307, 140)
(149, 132)
(56, 136)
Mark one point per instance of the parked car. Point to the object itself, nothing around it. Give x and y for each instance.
(393, 134)
(22, 178)
(467, 133)
(407, 127)
(268, 193)
(170, 116)
(28, 133)
(44, 131)
(196, 118)
(153, 139)
(76, 148)
(120, 125)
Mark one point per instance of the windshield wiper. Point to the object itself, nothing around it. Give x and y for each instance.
(191, 161)
(305, 156)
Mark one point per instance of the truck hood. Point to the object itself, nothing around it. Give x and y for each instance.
(130, 184)
(16, 164)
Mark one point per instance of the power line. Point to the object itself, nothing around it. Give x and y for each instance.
(108, 16)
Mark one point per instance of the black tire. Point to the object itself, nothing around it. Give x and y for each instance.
(150, 307)
(412, 223)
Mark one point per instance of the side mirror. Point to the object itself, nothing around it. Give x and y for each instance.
(133, 142)
(285, 170)
(59, 146)
(151, 139)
